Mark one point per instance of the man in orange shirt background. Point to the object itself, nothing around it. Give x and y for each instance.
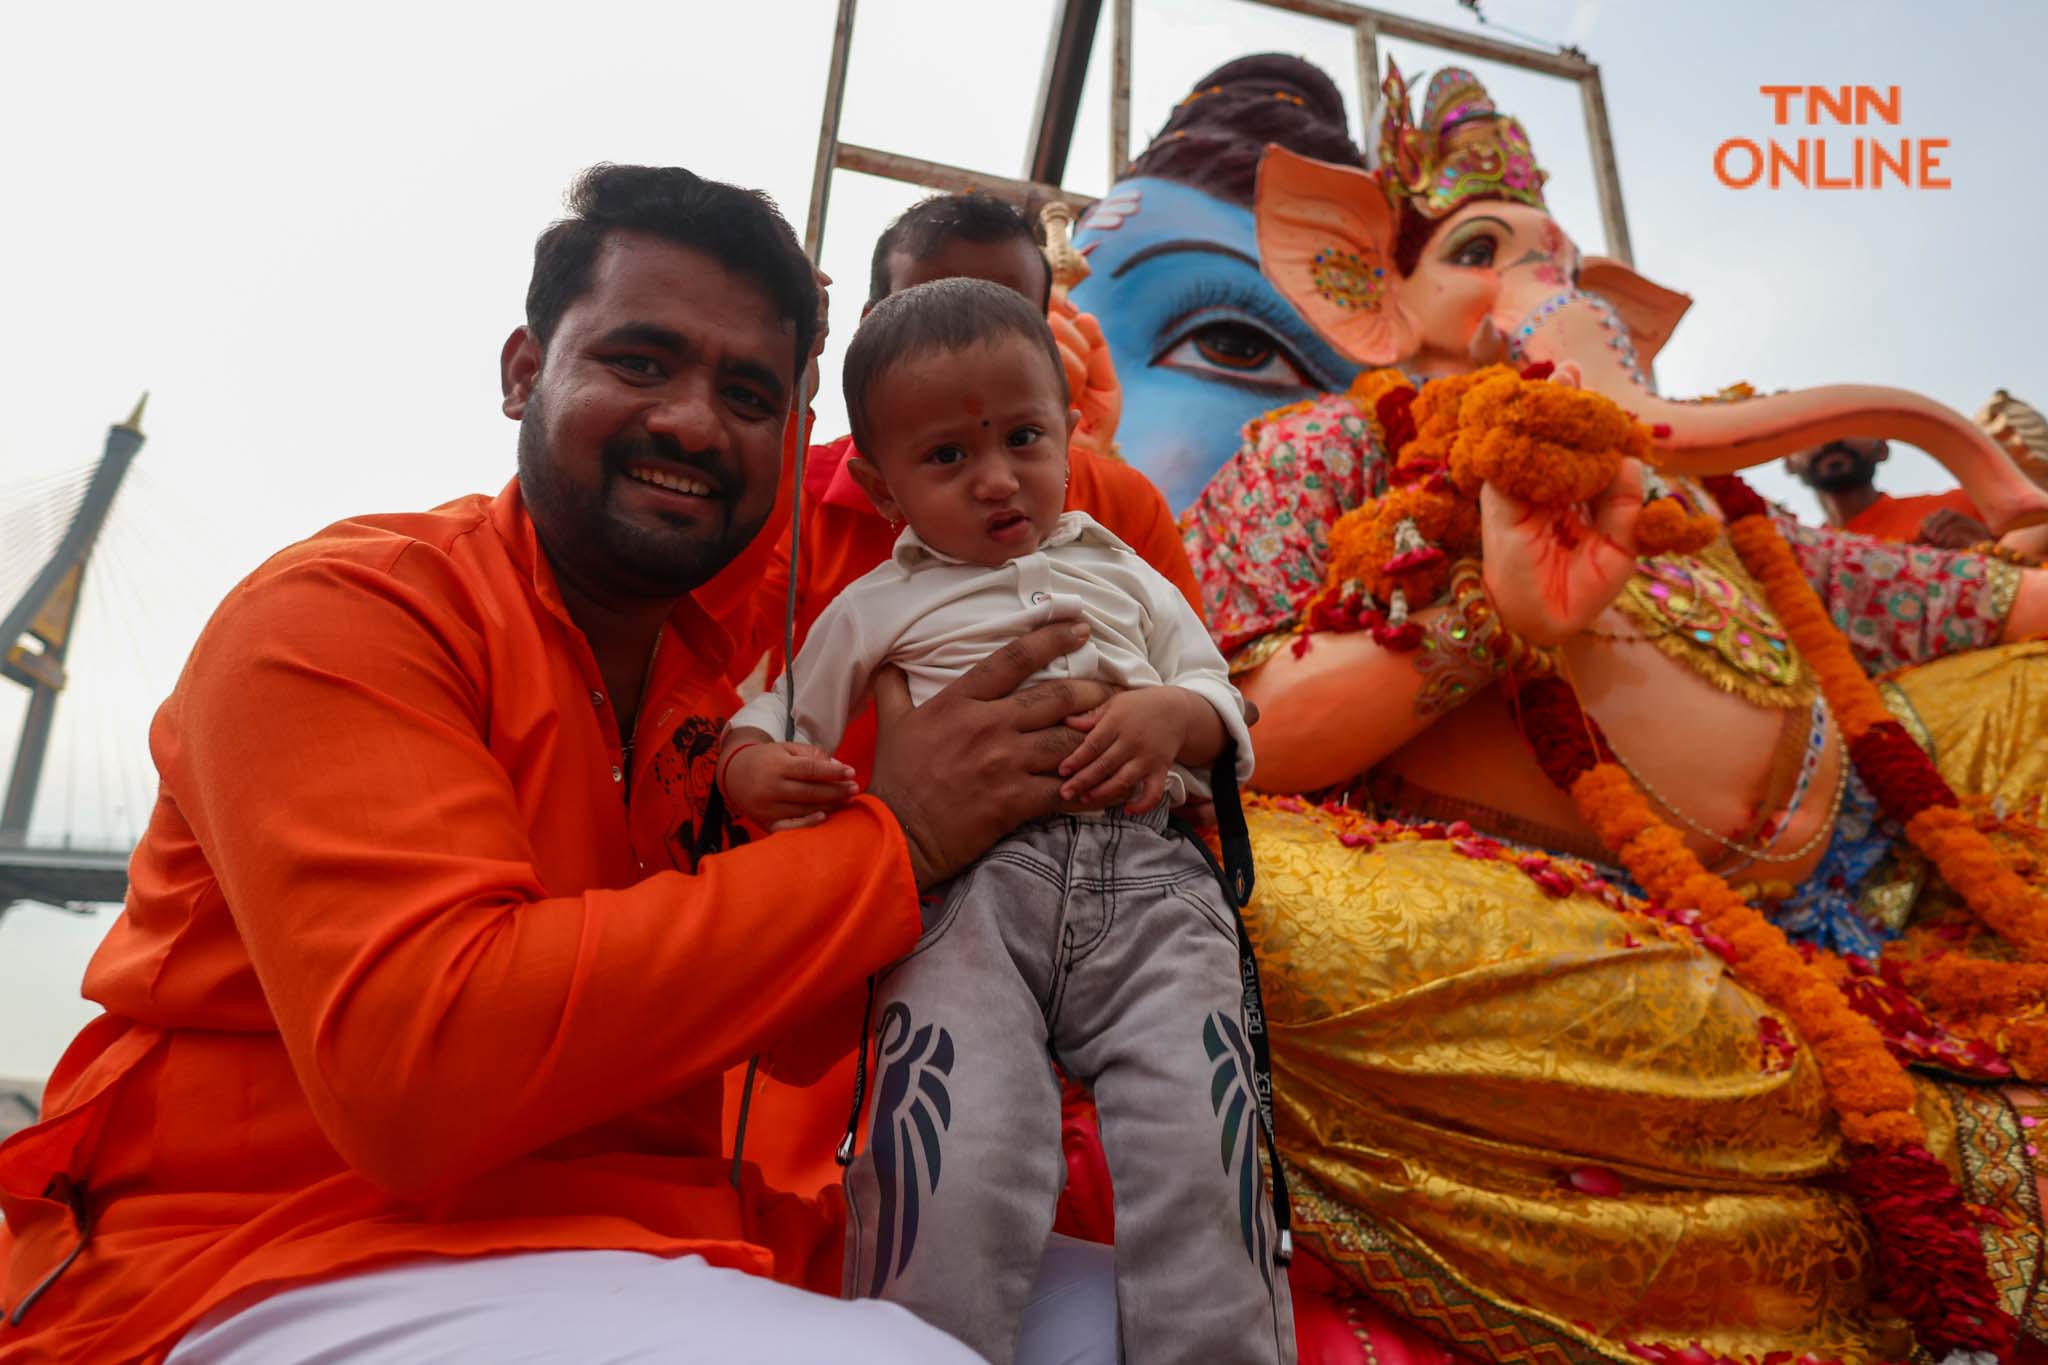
(1843, 474)
(431, 964)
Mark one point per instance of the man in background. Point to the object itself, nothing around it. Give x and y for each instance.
(1844, 476)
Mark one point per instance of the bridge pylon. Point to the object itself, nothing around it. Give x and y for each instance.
(36, 633)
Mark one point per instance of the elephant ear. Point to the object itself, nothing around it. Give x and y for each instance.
(1326, 241)
(1650, 311)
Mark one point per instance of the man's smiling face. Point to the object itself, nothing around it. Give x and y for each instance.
(650, 437)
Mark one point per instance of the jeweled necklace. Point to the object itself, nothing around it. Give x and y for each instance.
(1809, 766)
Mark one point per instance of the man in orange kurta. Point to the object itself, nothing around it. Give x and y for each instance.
(427, 955)
(1843, 474)
(793, 1130)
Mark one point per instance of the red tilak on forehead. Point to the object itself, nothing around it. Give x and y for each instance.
(973, 406)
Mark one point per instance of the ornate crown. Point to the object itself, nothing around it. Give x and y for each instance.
(1463, 149)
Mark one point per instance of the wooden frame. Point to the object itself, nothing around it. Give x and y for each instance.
(1367, 24)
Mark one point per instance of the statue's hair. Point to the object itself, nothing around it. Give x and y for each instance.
(944, 315)
(1216, 135)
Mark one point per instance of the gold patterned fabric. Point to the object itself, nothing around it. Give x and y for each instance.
(1984, 716)
(1544, 1126)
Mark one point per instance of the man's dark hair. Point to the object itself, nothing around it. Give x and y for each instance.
(945, 315)
(740, 229)
(926, 226)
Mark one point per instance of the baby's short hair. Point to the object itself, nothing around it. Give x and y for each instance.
(945, 315)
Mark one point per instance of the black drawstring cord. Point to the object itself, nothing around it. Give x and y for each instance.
(796, 540)
(1236, 876)
(710, 839)
(844, 1156)
(73, 1195)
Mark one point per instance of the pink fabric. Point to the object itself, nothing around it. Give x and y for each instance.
(1897, 604)
(1258, 535)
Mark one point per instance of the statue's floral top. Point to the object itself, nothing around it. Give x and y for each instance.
(1259, 539)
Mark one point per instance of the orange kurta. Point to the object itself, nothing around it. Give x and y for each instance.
(409, 966)
(1891, 518)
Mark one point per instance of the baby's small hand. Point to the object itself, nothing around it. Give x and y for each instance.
(786, 786)
(1133, 739)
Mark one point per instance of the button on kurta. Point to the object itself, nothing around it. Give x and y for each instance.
(618, 774)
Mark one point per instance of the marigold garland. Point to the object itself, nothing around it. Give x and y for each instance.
(1372, 385)
(1666, 526)
(1364, 544)
(1867, 1087)
(1904, 780)
(1926, 1244)
(1541, 443)
(1557, 447)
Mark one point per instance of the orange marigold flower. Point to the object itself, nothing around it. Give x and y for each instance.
(1372, 385)
(1608, 801)
(1364, 540)
(1667, 527)
(1891, 1129)
(1949, 836)
(1542, 442)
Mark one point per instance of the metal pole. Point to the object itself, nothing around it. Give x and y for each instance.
(828, 131)
(46, 614)
(1368, 34)
(1059, 89)
(1436, 35)
(1605, 174)
(1119, 89)
(937, 175)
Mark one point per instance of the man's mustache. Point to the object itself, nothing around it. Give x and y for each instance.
(1835, 468)
(647, 447)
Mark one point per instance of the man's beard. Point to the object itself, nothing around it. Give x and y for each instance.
(1837, 470)
(663, 559)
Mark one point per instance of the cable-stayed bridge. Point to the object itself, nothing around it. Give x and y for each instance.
(88, 561)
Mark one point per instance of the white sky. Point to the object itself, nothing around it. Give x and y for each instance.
(306, 231)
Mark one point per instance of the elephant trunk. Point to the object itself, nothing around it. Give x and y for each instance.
(1722, 437)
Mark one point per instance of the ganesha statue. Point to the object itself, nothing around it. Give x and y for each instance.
(1650, 888)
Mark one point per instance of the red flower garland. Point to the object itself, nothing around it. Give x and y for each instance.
(1564, 739)
(1898, 772)
(1927, 1249)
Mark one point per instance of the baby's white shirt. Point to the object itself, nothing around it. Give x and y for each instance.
(935, 617)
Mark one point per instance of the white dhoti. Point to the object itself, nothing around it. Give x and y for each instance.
(595, 1307)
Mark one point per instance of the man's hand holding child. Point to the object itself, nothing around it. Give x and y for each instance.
(1133, 739)
(779, 785)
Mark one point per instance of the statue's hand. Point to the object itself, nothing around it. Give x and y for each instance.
(1551, 571)
(1091, 375)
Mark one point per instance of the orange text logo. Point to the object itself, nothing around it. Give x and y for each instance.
(1853, 161)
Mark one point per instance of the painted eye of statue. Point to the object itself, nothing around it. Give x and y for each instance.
(1474, 251)
(1240, 351)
